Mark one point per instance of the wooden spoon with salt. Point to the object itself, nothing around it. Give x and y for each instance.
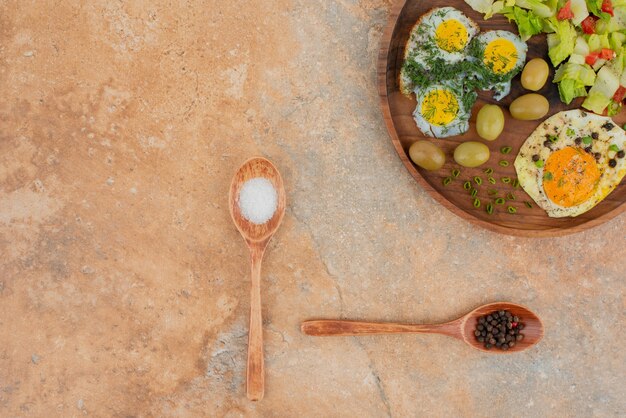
(257, 236)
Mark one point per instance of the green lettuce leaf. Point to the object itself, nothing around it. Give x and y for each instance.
(528, 23)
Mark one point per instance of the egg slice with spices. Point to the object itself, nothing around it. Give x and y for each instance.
(501, 56)
(442, 110)
(571, 162)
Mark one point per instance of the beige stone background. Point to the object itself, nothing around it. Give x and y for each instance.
(124, 285)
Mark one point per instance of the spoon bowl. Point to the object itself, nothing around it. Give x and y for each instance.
(461, 328)
(256, 167)
(257, 236)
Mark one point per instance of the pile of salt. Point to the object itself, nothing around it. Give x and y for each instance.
(258, 200)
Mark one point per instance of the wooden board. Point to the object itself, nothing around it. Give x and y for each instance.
(397, 111)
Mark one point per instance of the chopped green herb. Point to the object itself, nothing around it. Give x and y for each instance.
(570, 132)
(447, 181)
(491, 180)
(528, 204)
(613, 147)
(587, 140)
(488, 171)
(456, 173)
(474, 192)
(511, 209)
(506, 180)
(539, 163)
(504, 163)
(553, 138)
(505, 150)
(478, 180)
(489, 208)
(467, 185)
(500, 201)
(510, 196)
(476, 202)
(548, 176)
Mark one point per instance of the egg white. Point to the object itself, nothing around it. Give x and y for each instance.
(502, 84)
(566, 127)
(424, 34)
(458, 126)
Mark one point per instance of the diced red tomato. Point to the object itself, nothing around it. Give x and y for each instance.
(589, 24)
(566, 11)
(619, 94)
(607, 7)
(607, 54)
(592, 58)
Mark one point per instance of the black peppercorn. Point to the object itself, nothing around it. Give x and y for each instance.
(535, 157)
(612, 163)
(620, 154)
(578, 141)
(500, 329)
(594, 135)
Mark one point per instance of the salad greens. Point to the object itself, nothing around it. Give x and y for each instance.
(586, 44)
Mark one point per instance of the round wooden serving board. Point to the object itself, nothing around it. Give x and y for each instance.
(397, 111)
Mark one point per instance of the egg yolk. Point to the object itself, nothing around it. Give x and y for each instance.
(500, 55)
(570, 176)
(451, 35)
(440, 107)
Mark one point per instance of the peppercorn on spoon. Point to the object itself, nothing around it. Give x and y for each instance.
(257, 236)
(462, 328)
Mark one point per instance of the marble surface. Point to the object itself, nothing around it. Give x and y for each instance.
(124, 285)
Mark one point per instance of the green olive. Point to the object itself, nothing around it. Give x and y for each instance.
(530, 106)
(535, 74)
(489, 122)
(427, 155)
(471, 154)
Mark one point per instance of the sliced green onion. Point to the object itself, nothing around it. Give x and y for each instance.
(510, 196)
(505, 150)
(613, 147)
(515, 183)
(456, 173)
(570, 132)
(478, 180)
(553, 138)
(506, 179)
(474, 192)
(500, 201)
(489, 208)
(492, 192)
(511, 209)
(447, 181)
(504, 163)
(539, 163)
(488, 171)
(476, 202)
(467, 185)
(587, 140)
(491, 180)
(528, 204)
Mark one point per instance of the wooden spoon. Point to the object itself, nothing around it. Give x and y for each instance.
(462, 328)
(257, 237)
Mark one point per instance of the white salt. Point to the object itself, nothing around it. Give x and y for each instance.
(258, 200)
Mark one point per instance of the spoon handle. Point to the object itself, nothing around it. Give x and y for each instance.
(330, 327)
(255, 371)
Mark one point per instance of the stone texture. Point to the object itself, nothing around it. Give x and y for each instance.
(123, 284)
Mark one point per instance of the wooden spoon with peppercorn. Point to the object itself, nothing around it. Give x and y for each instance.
(500, 327)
